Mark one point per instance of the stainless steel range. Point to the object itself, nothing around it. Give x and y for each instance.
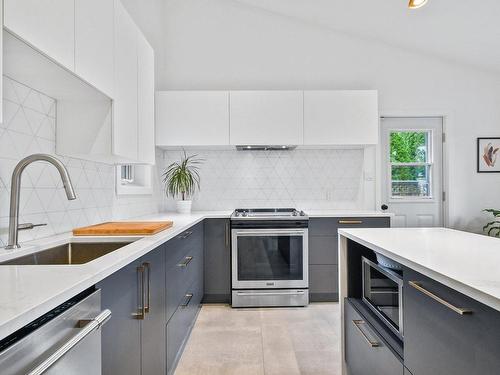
(269, 257)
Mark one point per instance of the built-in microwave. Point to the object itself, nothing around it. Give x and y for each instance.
(383, 294)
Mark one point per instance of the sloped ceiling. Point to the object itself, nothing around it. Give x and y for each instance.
(464, 31)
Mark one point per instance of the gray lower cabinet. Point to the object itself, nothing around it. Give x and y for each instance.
(365, 351)
(184, 286)
(323, 252)
(133, 341)
(217, 259)
(439, 339)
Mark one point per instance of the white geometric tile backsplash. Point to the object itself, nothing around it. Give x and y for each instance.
(28, 128)
(306, 179)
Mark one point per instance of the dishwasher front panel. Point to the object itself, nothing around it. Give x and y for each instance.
(67, 340)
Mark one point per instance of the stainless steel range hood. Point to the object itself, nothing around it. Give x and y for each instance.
(265, 147)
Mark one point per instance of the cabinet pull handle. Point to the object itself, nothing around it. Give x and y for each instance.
(147, 266)
(141, 310)
(351, 222)
(187, 260)
(357, 323)
(188, 297)
(227, 235)
(186, 234)
(420, 288)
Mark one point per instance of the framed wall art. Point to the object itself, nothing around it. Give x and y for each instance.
(488, 155)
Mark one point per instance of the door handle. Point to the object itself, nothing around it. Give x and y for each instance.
(87, 327)
(186, 234)
(357, 324)
(420, 288)
(147, 267)
(141, 309)
(384, 207)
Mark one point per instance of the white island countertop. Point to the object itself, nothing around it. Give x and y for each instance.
(466, 262)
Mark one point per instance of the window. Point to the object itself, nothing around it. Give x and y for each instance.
(133, 179)
(410, 164)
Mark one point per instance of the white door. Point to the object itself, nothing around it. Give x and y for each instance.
(412, 170)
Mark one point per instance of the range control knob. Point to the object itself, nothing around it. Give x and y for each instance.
(236, 214)
(295, 213)
(302, 213)
(245, 214)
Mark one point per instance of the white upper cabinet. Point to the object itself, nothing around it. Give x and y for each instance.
(266, 117)
(146, 101)
(94, 43)
(48, 25)
(192, 118)
(125, 115)
(340, 117)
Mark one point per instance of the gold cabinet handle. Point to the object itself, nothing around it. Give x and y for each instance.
(357, 324)
(141, 310)
(420, 288)
(351, 222)
(147, 266)
(186, 262)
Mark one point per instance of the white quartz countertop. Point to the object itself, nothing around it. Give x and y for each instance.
(469, 263)
(29, 291)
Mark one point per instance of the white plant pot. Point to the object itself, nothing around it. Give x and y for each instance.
(184, 207)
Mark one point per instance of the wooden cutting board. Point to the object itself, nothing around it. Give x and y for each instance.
(124, 228)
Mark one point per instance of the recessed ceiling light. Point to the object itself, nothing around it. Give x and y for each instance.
(415, 4)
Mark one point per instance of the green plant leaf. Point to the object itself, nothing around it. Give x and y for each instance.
(183, 178)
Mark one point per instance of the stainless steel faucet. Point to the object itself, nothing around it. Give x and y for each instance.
(15, 191)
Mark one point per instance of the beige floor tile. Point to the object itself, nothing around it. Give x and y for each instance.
(275, 341)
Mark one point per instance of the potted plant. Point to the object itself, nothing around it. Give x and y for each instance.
(493, 227)
(181, 180)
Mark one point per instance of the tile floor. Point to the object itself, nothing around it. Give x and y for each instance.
(270, 341)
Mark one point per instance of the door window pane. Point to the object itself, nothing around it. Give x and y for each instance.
(270, 258)
(409, 147)
(410, 181)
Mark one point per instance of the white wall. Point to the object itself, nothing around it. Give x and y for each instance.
(221, 44)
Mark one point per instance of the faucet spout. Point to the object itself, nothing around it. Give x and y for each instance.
(16, 190)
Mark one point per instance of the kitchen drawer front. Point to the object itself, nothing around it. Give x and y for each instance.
(365, 352)
(180, 325)
(330, 226)
(180, 277)
(440, 340)
(323, 283)
(183, 243)
(323, 250)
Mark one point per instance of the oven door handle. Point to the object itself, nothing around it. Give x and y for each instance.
(280, 293)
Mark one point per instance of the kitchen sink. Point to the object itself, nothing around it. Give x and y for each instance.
(67, 254)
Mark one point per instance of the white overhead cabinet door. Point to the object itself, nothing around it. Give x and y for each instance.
(340, 117)
(192, 118)
(266, 117)
(94, 43)
(49, 25)
(125, 103)
(146, 101)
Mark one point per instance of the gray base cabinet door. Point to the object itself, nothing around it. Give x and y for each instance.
(121, 335)
(153, 326)
(440, 339)
(217, 261)
(365, 352)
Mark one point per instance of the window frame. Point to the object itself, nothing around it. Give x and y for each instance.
(428, 164)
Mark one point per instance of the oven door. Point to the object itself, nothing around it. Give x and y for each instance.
(269, 258)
